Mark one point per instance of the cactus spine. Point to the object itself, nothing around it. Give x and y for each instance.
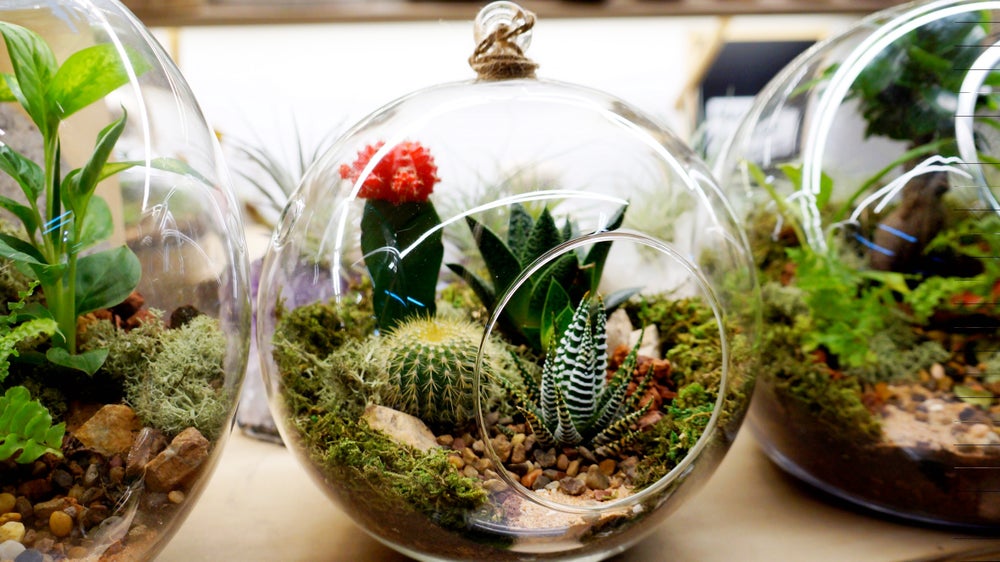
(430, 362)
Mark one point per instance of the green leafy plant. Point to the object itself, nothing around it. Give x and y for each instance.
(25, 424)
(63, 217)
(400, 229)
(574, 403)
(542, 307)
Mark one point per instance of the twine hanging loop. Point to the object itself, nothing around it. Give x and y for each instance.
(503, 32)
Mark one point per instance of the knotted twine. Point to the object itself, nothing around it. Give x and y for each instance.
(498, 57)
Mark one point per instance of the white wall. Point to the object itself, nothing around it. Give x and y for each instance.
(253, 81)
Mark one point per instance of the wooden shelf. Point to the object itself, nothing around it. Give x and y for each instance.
(168, 13)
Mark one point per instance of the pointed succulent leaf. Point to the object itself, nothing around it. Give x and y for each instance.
(518, 226)
(500, 260)
(598, 254)
(483, 291)
(561, 271)
(556, 314)
(543, 237)
(565, 432)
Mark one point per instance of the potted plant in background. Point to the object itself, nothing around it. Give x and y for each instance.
(881, 325)
(124, 290)
(500, 355)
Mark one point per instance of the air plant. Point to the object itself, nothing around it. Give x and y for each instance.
(575, 403)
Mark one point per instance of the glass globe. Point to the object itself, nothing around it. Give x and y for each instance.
(508, 318)
(125, 314)
(865, 174)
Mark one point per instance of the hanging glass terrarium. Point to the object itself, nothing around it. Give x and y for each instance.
(124, 314)
(866, 174)
(508, 318)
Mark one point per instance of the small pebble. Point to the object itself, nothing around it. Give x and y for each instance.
(478, 446)
(92, 475)
(518, 454)
(572, 486)
(517, 439)
(175, 496)
(456, 461)
(502, 447)
(7, 502)
(528, 480)
(596, 479)
(10, 516)
(574, 468)
(470, 471)
(445, 440)
(545, 458)
(562, 463)
(9, 550)
(62, 478)
(78, 552)
(30, 555)
(12, 531)
(60, 523)
(494, 485)
(608, 466)
(540, 482)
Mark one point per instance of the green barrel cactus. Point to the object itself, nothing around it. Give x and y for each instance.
(430, 363)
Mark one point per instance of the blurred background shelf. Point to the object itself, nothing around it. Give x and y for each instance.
(235, 12)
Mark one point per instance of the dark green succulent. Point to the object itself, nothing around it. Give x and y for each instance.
(575, 403)
(541, 307)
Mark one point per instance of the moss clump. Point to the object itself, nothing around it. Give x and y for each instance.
(326, 381)
(833, 401)
(319, 329)
(183, 386)
(130, 352)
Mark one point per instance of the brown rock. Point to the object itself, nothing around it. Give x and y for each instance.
(607, 466)
(596, 480)
(149, 443)
(572, 486)
(178, 461)
(109, 431)
(502, 447)
(529, 479)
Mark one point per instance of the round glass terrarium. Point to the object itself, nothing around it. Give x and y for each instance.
(123, 283)
(866, 176)
(508, 318)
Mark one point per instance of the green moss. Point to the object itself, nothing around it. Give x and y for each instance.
(321, 328)
(326, 381)
(130, 352)
(183, 386)
(834, 402)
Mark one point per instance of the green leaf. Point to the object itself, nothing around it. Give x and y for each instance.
(34, 66)
(554, 317)
(6, 93)
(518, 226)
(89, 75)
(500, 260)
(543, 237)
(598, 254)
(26, 426)
(97, 224)
(79, 186)
(26, 173)
(26, 214)
(15, 249)
(105, 279)
(482, 290)
(88, 362)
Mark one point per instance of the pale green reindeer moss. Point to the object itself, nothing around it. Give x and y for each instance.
(183, 387)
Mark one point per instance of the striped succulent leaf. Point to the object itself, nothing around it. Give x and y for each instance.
(574, 403)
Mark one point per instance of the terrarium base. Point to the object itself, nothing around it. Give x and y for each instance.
(917, 483)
